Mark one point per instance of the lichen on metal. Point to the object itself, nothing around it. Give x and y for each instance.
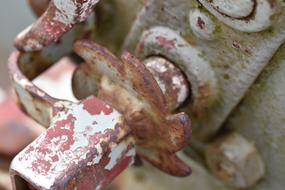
(239, 51)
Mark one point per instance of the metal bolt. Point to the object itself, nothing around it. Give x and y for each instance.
(170, 80)
(235, 160)
(167, 43)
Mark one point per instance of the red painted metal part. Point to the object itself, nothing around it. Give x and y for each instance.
(85, 147)
(59, 17)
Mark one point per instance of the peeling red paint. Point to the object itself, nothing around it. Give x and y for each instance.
(200, 23)
(41, 166)
(166, 42)
(95, 107)
(56, 21)
(63, 128)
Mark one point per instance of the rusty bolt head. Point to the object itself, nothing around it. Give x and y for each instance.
(235, 161)
(170, 80)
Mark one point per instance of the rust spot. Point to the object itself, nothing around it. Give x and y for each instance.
(236, 45)
(166, 42)
(95, 107)
(200, 23)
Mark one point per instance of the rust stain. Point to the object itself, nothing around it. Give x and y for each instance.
(128, 86)
(166, 42)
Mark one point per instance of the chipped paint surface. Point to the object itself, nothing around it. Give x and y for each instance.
(60, 17)
(117, 153)
(170, 79)
(92, 134)
(85, 134)
(66, 11)
(69, 11)
(77, 136)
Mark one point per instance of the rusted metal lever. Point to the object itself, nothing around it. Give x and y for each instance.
(89, 143)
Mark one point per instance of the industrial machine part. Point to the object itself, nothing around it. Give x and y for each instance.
(76, 129)
(197, 56)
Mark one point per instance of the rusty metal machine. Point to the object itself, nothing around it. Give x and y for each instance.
(163, 68)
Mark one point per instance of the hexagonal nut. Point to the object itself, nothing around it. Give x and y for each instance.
(235, 160)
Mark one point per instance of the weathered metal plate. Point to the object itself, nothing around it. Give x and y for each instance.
(237, 49)
(260, 118)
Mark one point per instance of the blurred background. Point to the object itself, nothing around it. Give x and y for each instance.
(15, 15)
(15, 130)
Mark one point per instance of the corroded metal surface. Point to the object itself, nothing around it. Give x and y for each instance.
(170, 79)
(166, 42)
(59, 18)
(221, 47)
(146, 110)
(90, 133)
(85, 147)
(235, 39)
(128, 86)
